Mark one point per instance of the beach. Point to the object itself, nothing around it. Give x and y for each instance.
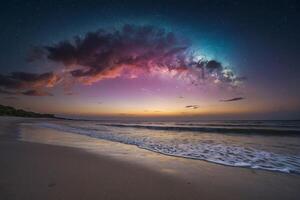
(52, 166)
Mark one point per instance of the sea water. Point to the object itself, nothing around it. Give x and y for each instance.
(268, 145)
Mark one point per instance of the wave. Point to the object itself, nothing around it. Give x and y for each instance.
(208, 150)
(246, 130)
(247, 124)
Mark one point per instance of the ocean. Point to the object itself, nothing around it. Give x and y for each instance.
(266, 145)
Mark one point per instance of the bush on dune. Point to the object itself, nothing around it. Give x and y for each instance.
(10, 111)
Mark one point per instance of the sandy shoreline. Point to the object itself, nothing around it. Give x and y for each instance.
(41, 171)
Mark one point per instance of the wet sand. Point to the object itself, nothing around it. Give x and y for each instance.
(42, 171)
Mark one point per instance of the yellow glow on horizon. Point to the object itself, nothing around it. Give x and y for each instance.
(162, 110)
(152, 107)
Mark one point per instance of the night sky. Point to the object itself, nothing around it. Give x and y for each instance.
(207, 59)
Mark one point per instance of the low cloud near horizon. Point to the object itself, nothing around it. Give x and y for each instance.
(192, 106)
(232, 99)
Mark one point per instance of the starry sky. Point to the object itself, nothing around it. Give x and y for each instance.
(199, 59)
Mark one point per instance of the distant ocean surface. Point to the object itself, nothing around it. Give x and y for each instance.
(268, 145)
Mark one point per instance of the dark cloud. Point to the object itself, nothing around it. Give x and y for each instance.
(133, 49)
(19, 80)
(192, 106)
(232, 99)
(104, 53)
(22, 82)
(36, 93)
(213, 65)
(9, 83)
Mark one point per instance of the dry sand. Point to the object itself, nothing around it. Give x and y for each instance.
(39, 171)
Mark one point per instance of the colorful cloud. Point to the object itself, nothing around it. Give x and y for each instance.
(127, 52)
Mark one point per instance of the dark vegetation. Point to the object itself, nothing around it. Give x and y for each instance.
(10, 111)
